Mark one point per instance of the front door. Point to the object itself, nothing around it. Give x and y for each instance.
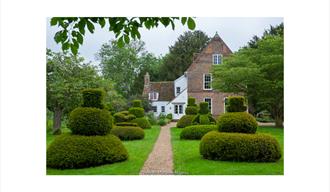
(178, 111)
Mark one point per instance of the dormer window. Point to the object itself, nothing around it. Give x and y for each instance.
(178, 90)
(217, 59)
(153, 96)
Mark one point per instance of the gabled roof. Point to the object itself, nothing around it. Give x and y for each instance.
(164, 88)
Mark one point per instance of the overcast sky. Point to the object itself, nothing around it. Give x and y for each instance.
(236, 32)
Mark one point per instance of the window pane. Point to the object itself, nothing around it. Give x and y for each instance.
(176, 109)
(163, 109)
(154, 108)
(207, 81)
(178, 90)
(180, 109)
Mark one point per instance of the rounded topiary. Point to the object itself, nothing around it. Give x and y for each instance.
(93, 98)
(128, 132)
(191, 110)
(185, 121)
(191, 101)
(77, 151)
(90, 121)
(162, 122)
(196, 131)
(142, 122)
(127, 124)
(123, 116)
(235, 104)
(203, 120)
(204, 108)
(137, 103)
(240, 122)
(239, 147)
(169, 116)
(137, 111)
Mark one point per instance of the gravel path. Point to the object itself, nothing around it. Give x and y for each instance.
(160, 160)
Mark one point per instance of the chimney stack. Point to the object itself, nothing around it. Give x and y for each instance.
(146, 88)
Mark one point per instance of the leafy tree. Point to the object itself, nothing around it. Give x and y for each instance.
(180, 55)
(67, 75)
(258, 73)
(72, 29)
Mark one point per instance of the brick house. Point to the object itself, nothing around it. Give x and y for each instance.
(171, 96)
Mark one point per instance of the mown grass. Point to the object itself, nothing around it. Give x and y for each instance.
(138, 151)
(188, 161)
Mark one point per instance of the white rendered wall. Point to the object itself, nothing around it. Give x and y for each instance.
(180, 82)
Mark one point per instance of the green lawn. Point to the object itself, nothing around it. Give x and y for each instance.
(138, 151)
(188, 161)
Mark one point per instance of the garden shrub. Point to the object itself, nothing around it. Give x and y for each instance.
(169, 116)
(162, 122)
(127, 124)
(93, 98)
(123, 116)
(235, 104)
(137, 103)
(204, 119)
(137, 111)
(240, 147)
(191, 101)
(185, 121)
(151, 118)
(128, 132)
(196, 131)
(241, 122)
(191, 110)
(204, 108)
(77, 151)
(90, 121)
(162, 116)
(142, 122)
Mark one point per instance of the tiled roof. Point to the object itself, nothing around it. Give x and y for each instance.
(164, 88)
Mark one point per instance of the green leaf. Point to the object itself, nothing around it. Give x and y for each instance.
(183, 20)
(58, 36)
(102, 22)
(66, 46)
(126, 37)
(53, 21)
(80, 38)
(74, 49)
(81, 26)
(90, 26)
(120, 42)
(191, 23)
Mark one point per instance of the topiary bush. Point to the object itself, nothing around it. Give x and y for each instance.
(240, 122)
(90, 121)
(123, 116)
(128, 132)
(169, 116)
(127, 124)
(185, 121)
(191, 101)
(204, 108)
(235, 104)
(196, 131)
(162, 122)
(191, 110)
(93, 98)
(142, 122)
(240, 147)
(77, 151)
(137, 111)
(137, 103)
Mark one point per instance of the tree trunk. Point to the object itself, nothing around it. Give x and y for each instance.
(57, 121)
(278, 121)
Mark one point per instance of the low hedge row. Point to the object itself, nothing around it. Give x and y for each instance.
(240, 147)
(90, 121)
(127, 124)
(123, 116)
(142, 122)
(239, 122)
(128, 132)
(77, 151)
(185, 121)
(196, 132)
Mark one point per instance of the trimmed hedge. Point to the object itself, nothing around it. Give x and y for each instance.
(185, 121)
(191, 101)
(90, 121)
(77, 151)
(127, 124)
(191, 110)
(123, 116)
(137, 111)
(236, 104)
(240, 122)
(169, 116)
(128, 132)
(240, 147)
(196, 131)
(93, 98)
(142, 122)
(137, 103)
(204, 108)
(203, 120)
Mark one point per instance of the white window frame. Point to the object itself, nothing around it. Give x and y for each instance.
(161, 109)
(219, 59)
(176, 90)
(204, 81)
(210, 106)
(154, 107)
(153, 96)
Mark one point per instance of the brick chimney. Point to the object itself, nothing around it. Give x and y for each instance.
(146, 87)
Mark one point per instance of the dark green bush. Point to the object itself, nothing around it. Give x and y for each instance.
(137, 111)
(127, 124)
(185, 121)
(235, 104)
(77, 151)
(203, 120)
(137, 103)
(191, 110)
(204, 108)
(162, 122)
(196, 131)
(128, 132)
(142, 122)
(151, 118)
(93, 98)
(240, 147)
(169, 116)
(89, 121)
(240, 122)
(191, 101)
(123, 116)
